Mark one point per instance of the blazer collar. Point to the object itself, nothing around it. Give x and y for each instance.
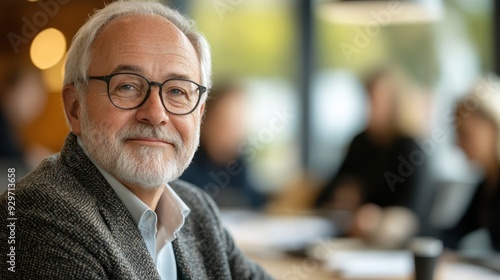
(114, 213)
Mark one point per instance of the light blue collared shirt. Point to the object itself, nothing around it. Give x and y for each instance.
(157, 229)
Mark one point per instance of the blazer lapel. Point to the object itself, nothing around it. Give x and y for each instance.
(184, 257)
(187, 255)
(119, 221)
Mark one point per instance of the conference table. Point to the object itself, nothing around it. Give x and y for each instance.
(277, 243)
(296, 268)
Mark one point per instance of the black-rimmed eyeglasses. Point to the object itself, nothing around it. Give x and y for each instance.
(128, 91)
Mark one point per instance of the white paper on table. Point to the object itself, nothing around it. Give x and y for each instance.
(371, 264)
(257, 231)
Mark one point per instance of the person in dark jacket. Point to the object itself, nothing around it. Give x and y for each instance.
(218, 167)
(379, 170)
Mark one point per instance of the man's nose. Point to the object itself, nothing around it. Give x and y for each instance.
(152, 111)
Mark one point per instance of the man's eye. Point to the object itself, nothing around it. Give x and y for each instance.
(126, 87)
(176, 91)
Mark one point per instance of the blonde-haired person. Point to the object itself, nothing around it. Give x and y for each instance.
(370, 171)
(477, 121)
(376, 182)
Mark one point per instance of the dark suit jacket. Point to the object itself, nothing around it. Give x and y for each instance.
(369, 162)
(71, 225)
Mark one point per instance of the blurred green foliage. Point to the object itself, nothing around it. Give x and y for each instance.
(260, 39)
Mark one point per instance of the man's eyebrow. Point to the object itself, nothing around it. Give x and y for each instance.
(178, 76)
(126, 68)
(135, 69)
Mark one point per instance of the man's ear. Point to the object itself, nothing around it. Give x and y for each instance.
(202, 111)
(72, 107)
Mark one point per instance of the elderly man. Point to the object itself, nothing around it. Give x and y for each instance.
(107, 206)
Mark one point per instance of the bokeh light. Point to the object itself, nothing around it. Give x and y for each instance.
(48, 48)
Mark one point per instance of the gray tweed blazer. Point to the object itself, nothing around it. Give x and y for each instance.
(71, 225)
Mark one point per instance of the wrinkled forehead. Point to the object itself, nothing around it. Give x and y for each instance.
(136, 39)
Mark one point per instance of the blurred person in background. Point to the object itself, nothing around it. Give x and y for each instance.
(22, 99)
(369, 178)
(10, 148)
(218, 167)
(477, 121)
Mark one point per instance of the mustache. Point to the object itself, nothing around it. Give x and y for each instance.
(145, 131)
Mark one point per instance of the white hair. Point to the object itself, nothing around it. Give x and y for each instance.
(79, 54)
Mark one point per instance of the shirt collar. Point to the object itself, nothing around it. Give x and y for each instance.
(171, 211)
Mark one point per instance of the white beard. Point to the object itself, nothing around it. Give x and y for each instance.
(149, 167)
